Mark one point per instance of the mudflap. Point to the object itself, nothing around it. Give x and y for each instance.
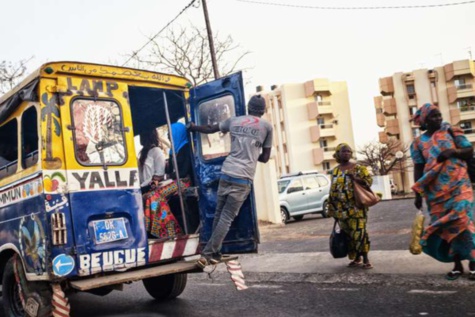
(235, 270)
(60, 302)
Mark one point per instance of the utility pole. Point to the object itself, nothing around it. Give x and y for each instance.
(210, 39)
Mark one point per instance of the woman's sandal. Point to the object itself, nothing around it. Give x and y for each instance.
(355, 263)
(453, 275)
(471, 275)
(368, 266)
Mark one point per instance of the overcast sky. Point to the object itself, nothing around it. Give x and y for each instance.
(288, 45)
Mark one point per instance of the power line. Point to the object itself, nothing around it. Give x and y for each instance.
(158, 33)
(359, 8)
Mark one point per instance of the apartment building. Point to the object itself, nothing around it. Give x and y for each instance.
(451, 87)
(310, 119)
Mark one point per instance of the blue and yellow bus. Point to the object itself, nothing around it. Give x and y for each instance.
(71, 209)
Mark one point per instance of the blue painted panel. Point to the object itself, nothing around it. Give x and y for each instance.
(23, 224)
(243, 234)
(89, 206)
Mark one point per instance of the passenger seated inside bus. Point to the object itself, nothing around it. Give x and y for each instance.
(159, 219)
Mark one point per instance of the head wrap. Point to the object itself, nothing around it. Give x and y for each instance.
(422, 113)
(256, 104)
(339, 147)
(179, 136)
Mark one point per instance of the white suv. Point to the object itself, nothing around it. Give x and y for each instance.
(303, 193)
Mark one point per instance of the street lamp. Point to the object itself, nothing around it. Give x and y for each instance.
(399, 155)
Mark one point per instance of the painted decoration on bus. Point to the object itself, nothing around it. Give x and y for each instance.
(52, 122)
(88, 180)
(22, 191)
(98, 132)
(32, 244)
(111, 260)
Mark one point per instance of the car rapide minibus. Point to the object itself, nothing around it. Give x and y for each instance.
(71, 209)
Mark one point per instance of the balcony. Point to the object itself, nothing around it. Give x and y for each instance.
(328, 153)
(386, 86)
(317, 85)
(466, 113)
(317, 156)
(381, 120)
(455, 116)
(383, 137)
(314, 109)
(389, 106)
(314, 133)
(459, 68)
(327, 130)
(392, 127)
(460, 91)
(378, 102)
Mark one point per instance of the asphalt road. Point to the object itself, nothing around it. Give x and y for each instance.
(389, 224)
(205, 298)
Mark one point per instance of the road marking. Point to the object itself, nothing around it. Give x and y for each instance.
(212, 284)
(426, 291)
(340, 289)
(265, 286)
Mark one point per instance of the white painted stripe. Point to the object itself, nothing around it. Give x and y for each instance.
(340, 289)
(266, 286)
(426, 291)
(191, 246)
(168, 248)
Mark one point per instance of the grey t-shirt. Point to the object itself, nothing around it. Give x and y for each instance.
(248, 135)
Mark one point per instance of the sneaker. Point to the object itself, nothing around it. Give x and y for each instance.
(202, 262)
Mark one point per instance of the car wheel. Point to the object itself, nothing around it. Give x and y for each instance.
(284, 215)
(298, 218)
(324, 212)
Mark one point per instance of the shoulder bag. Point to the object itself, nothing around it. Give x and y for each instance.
(338, 242)
(364, 196)
(470, 161)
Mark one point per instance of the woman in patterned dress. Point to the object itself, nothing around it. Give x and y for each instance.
(159, 220)
(441, 177)
(352, 220)
(163, 223)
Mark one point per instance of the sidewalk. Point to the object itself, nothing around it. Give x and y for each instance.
(390, 267)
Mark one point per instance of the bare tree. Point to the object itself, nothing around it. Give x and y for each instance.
(185, 52)
(11, 73)
(381, 157)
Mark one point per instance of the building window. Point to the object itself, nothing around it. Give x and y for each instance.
(323, 143)
(318, 98)
(466, 127)
(412, 110)
(326, 166)
(320, 121)
(411, 92)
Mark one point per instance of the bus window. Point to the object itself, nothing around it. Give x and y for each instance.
(98, 133)
(213, 112)
(8, 148)
(29, 133)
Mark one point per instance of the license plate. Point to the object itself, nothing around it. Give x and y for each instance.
(109, 230)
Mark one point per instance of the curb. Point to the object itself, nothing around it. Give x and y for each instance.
(355, 278)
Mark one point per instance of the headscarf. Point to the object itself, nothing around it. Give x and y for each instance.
(340, 146)
(179, 136)
(422, 113)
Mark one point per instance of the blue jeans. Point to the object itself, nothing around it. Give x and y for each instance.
(231, 196)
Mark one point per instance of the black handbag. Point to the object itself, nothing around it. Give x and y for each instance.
(338, 242)
(470, 161)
